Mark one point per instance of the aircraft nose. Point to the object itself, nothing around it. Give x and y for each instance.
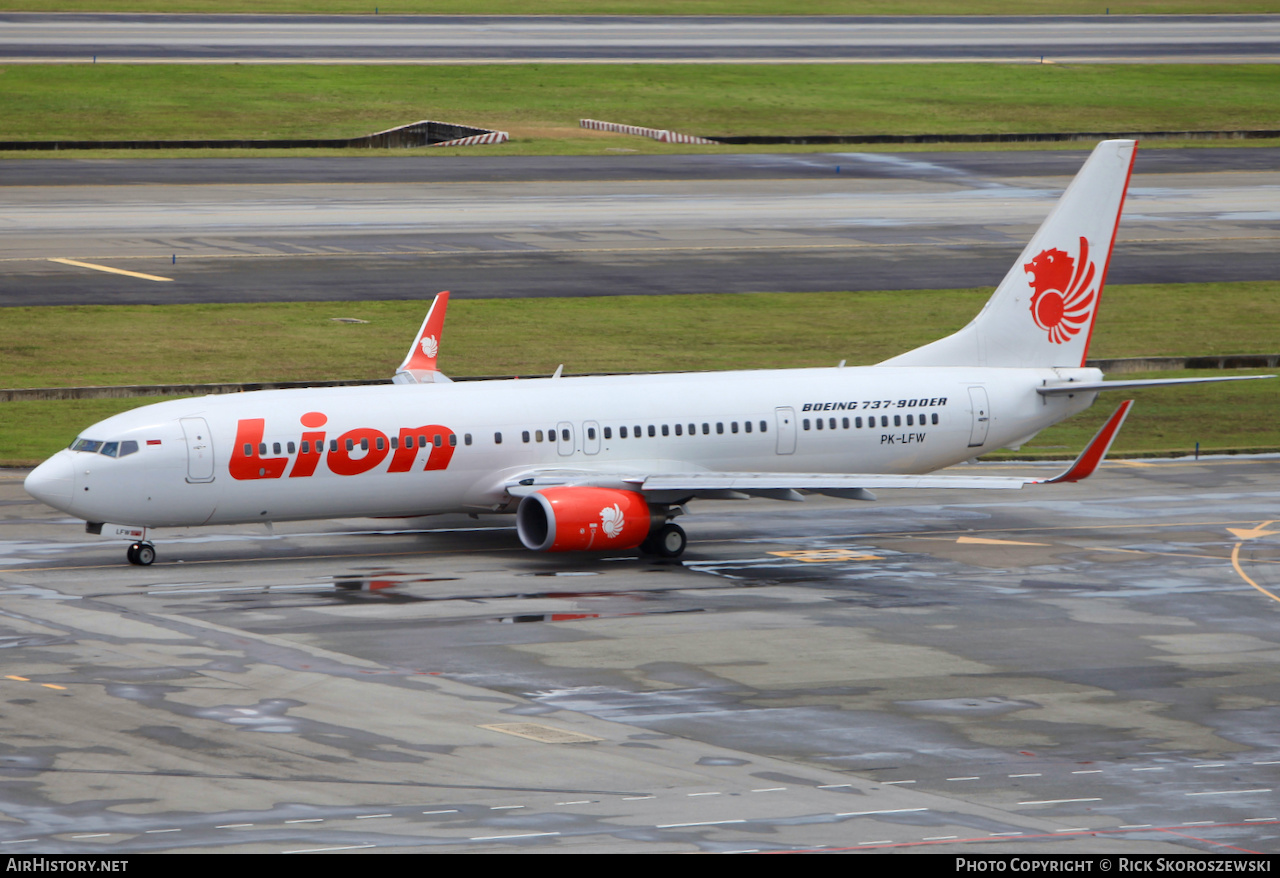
(53, 482)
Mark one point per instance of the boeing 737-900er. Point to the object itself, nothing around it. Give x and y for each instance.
(606, 463)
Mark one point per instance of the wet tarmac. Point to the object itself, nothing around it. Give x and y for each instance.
(1075, 668)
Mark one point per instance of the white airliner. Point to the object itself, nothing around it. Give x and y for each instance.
(605, 463)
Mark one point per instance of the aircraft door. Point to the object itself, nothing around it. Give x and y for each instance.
(981, 416)
(564, 438)
(591, 437)
(786, 417)
(199, 450)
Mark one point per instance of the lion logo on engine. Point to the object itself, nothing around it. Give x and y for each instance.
(611, 520)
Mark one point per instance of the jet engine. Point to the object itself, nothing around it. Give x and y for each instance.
(569, 519)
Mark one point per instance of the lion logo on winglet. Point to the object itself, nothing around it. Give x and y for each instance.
(1064, 297)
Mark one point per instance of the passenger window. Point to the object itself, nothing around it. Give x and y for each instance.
(733, 427)
(857, 422)
(652, 432)
(333, 444)
(292, 448)
(497, 438)
(538, 435)
(818, 423)
(805, 423)
(884, 420)
(844, 423)
(466, 438)
(679, 429)
(364, 444)
(935, 417)
(831, 422)
(306, 446)
(747, 425)
(351, 444)
(525, 436)
(608, 432)
(693, 429)
(275, 447)
(438, 441)
(262, 449)
(564, 434)
(591, 432)
(665, 430)
(897, 420)
(764, 426)
(395, 442)
(380, 444)
(910, 421)
(453, 440)
(408, 442)
(248, 450)
(622, 432)
(637, 431)
(719, 426)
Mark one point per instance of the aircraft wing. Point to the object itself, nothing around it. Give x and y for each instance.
(677, 487)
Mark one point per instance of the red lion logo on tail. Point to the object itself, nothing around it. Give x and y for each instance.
(1063, 300)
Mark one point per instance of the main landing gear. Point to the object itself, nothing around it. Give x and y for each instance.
(667, 541)
(141, 553)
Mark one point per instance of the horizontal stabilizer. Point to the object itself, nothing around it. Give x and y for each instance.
(1090, 386)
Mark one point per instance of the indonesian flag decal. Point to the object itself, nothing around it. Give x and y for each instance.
(1064, 296)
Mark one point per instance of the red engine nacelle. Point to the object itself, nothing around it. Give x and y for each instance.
(573, 519)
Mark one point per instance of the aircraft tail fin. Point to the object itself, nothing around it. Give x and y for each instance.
(1043, 312)
(419, 366)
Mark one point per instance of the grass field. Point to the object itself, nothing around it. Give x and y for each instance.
(541, 104)
(653, 7)
(295, 341)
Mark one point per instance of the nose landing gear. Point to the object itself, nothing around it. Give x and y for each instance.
(141, 553)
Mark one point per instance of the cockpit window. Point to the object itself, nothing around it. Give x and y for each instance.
(110, 449)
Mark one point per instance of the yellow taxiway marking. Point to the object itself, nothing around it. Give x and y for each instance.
(820, 556)
(16, 677)
(52, 686)
(980, 541)
(109, 269)
(1252, 533)
(1241, 536)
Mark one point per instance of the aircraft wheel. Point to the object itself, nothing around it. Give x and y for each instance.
(142, 554)
(670, 541)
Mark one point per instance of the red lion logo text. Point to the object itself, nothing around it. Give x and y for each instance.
(1064, 297)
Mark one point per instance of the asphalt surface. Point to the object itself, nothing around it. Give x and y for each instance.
(330, 229)
(447, 39)
(1069, 669)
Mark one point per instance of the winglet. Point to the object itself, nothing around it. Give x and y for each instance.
(1096, 450)
(419, 366)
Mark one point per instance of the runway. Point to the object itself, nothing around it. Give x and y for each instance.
(604, 39)
(338, 228)
(1074, 668)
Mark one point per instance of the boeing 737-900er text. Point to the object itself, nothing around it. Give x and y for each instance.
(606, 463)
